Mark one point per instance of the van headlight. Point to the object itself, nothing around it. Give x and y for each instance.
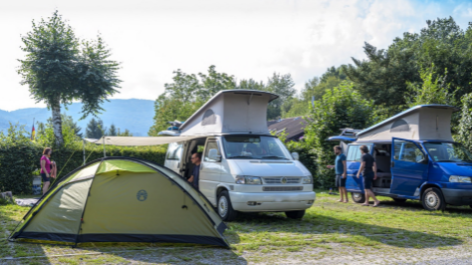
(248, 180)
(307, 179)
(460, 179)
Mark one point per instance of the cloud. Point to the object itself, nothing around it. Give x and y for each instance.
(245, 38)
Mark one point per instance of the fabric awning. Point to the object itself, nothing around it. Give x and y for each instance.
(139, 141)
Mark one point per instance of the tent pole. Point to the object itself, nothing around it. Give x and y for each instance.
(104, 151)
(83, 149)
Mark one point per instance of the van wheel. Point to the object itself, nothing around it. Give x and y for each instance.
(433, 199)
(358, 197)
(224, 207)
(397, 200)
(295, 214)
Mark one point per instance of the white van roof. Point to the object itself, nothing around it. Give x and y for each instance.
(422, 122)
(231, 111)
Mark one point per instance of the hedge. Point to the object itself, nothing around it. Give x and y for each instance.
(20, 161)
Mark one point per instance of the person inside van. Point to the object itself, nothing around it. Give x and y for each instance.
(369, 172)
(196, 160)
(340, 171)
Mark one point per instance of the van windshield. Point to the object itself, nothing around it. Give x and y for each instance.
(254, 147)
(448, 152)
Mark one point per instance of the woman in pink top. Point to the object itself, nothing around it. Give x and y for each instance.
(46, 168)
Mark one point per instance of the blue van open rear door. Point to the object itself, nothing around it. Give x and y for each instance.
(409, 167)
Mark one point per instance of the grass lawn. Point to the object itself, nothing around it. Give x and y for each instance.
(331, 233)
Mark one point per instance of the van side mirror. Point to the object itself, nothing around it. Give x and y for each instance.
(217, 158)
(424, 160)
(213, 155)
(295, 156)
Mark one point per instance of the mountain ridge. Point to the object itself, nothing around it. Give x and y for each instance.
(136, 115)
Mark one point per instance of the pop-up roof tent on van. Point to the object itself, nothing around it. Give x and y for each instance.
(228, 112)
(422, 122)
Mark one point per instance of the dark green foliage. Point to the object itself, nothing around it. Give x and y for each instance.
(17, 154)
(464, 130)
(19, 158)
(341, 107)
(383, 76)
(95, 129)
(112, 131)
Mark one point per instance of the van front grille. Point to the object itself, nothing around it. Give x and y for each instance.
(282, 180)
(276, 188)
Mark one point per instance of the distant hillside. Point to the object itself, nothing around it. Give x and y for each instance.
(136, 115)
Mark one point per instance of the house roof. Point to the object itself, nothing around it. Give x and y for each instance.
(294, 127)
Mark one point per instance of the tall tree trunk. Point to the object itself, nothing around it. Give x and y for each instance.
(57, 123)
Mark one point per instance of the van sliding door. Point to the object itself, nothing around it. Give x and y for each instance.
(211, 169)
(409, 167)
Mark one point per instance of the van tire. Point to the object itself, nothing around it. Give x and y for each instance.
(295, 214)
(224, 208)
(432, 199)
(358, 197)
(398, 200)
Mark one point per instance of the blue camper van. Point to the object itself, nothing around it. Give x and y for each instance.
(416, 159)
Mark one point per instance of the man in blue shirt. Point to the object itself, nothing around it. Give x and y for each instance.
(196, 160)
(340, 171)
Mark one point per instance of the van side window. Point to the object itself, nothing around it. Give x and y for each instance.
(174, 151)
(407, 151)
(212, 152)
(354, 153)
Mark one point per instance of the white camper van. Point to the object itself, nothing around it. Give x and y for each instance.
(243, 168)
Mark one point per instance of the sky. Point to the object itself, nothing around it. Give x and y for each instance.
(244, 38)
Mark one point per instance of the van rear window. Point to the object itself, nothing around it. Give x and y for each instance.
(354, 152)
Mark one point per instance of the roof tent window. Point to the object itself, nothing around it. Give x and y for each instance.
(209, 118)
(400, 126)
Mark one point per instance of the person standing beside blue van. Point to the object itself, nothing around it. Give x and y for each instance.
(369, 172)
(340, 171)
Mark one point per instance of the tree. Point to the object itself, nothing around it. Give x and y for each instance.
(283, 86)
(433, 89)
(70, 131)
(125, 133)
(95, 129)
(339, 108)
(251, 84)
(186, 94)
(58, 69)
(383, 76)
(112, 131)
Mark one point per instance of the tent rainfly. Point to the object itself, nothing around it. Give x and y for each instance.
(120, 199)
(422, 122)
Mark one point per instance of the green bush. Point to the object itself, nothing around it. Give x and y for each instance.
(19, 158)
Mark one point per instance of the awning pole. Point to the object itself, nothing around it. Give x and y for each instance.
(83, 148)
(104, 151)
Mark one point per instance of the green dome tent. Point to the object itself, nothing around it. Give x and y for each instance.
(121, 199)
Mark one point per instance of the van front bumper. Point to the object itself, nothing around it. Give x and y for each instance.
(271, 201)
(457, 196)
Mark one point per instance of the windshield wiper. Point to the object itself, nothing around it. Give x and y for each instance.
(249, 157)
(275, 157)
